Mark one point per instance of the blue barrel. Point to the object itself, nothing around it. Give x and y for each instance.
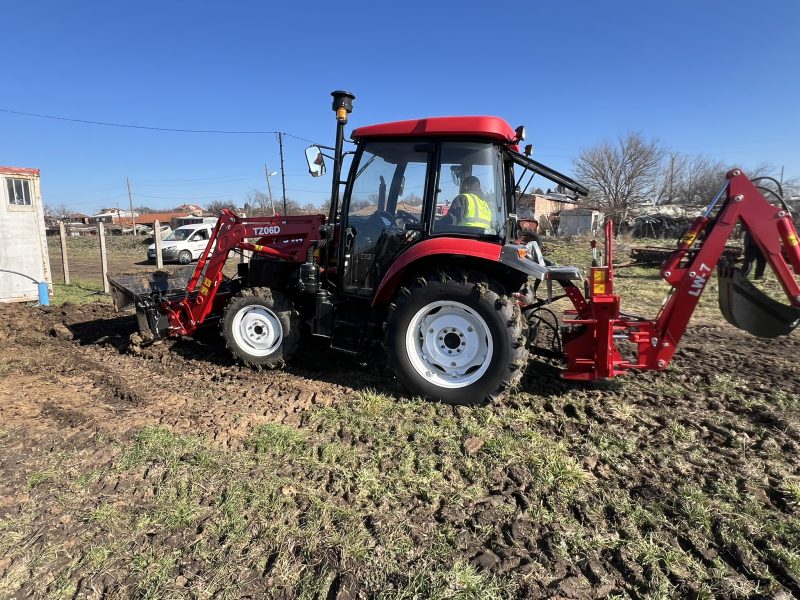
(44, 296)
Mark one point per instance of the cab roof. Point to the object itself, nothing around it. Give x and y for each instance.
(494, 128)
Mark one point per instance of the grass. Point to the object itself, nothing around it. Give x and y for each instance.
(642, 286)
(332, 500)
(89, 245)
(39, 478)
(279, 504)
(78, 292)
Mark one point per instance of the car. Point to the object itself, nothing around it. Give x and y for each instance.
(184, 244)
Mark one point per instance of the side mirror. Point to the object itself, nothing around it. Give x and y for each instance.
(455, 174)
(315, 160)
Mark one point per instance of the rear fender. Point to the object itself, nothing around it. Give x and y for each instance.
(442, 251)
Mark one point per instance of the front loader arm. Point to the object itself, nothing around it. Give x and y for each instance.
(590, 344)
(284, 238)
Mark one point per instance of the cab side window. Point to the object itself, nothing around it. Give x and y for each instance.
(470, 199)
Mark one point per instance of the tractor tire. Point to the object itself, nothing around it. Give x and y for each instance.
(456, 336)
(261, 328)
(185, 257)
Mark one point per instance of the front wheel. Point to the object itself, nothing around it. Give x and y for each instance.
(456, 337)
(185, 257)
(261, 327)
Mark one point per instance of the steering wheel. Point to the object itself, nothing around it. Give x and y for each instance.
(386, 218)
(376, 222)
(406, 217)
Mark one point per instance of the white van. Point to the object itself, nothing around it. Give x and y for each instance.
(184, 244)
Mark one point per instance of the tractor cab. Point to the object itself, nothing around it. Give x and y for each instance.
(419, 181)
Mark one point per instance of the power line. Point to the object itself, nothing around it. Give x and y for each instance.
(189, 197)
(189, 182)
(127, 126)
(297, 137)
(151, 128)
(308, 191)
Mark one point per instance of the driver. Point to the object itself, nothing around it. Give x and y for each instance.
(469, 209)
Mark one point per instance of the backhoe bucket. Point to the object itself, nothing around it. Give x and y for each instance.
(125, 288)
(746, 307)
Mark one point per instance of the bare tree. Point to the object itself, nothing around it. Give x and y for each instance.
(56, 213)
(312, 209)
(261, 203)
(701, 179)
(621, 175)
(673, 171)
(215, 207)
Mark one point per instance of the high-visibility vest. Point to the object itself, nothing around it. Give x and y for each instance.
(478, 213)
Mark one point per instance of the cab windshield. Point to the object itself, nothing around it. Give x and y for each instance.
(179, 235)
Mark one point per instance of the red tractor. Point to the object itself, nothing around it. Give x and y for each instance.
(445, 294)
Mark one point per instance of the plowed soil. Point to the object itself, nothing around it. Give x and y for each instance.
(679, 484)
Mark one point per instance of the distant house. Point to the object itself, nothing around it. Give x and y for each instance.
(112, 215)
(547, 205)
(171, 218)
(193, 209)
(23, 244)
(77, 218)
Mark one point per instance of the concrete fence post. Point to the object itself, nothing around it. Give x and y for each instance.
(101, 232)
(157, 240)
(64, 261)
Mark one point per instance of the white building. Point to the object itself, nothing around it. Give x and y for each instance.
(579, 221)
(23, 244)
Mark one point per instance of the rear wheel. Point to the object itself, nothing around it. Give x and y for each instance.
(456, 337)
(261, 327)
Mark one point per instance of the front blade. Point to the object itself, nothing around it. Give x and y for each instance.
(748, 308)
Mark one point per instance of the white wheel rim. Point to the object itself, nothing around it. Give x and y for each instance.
(449, 344)
(257, 330)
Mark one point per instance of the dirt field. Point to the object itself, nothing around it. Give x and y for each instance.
(176, 473)
(119, 473)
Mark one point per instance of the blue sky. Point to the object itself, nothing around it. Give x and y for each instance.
(711, 77)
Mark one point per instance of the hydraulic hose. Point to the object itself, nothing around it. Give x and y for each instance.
(44, 297)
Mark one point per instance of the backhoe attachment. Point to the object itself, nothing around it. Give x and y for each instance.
(590, 338)
(745, 306)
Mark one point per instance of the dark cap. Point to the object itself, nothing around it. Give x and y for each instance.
(472, 182)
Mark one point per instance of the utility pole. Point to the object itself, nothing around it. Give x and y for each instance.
(130, 199)
(269, 187)
(283, 176)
